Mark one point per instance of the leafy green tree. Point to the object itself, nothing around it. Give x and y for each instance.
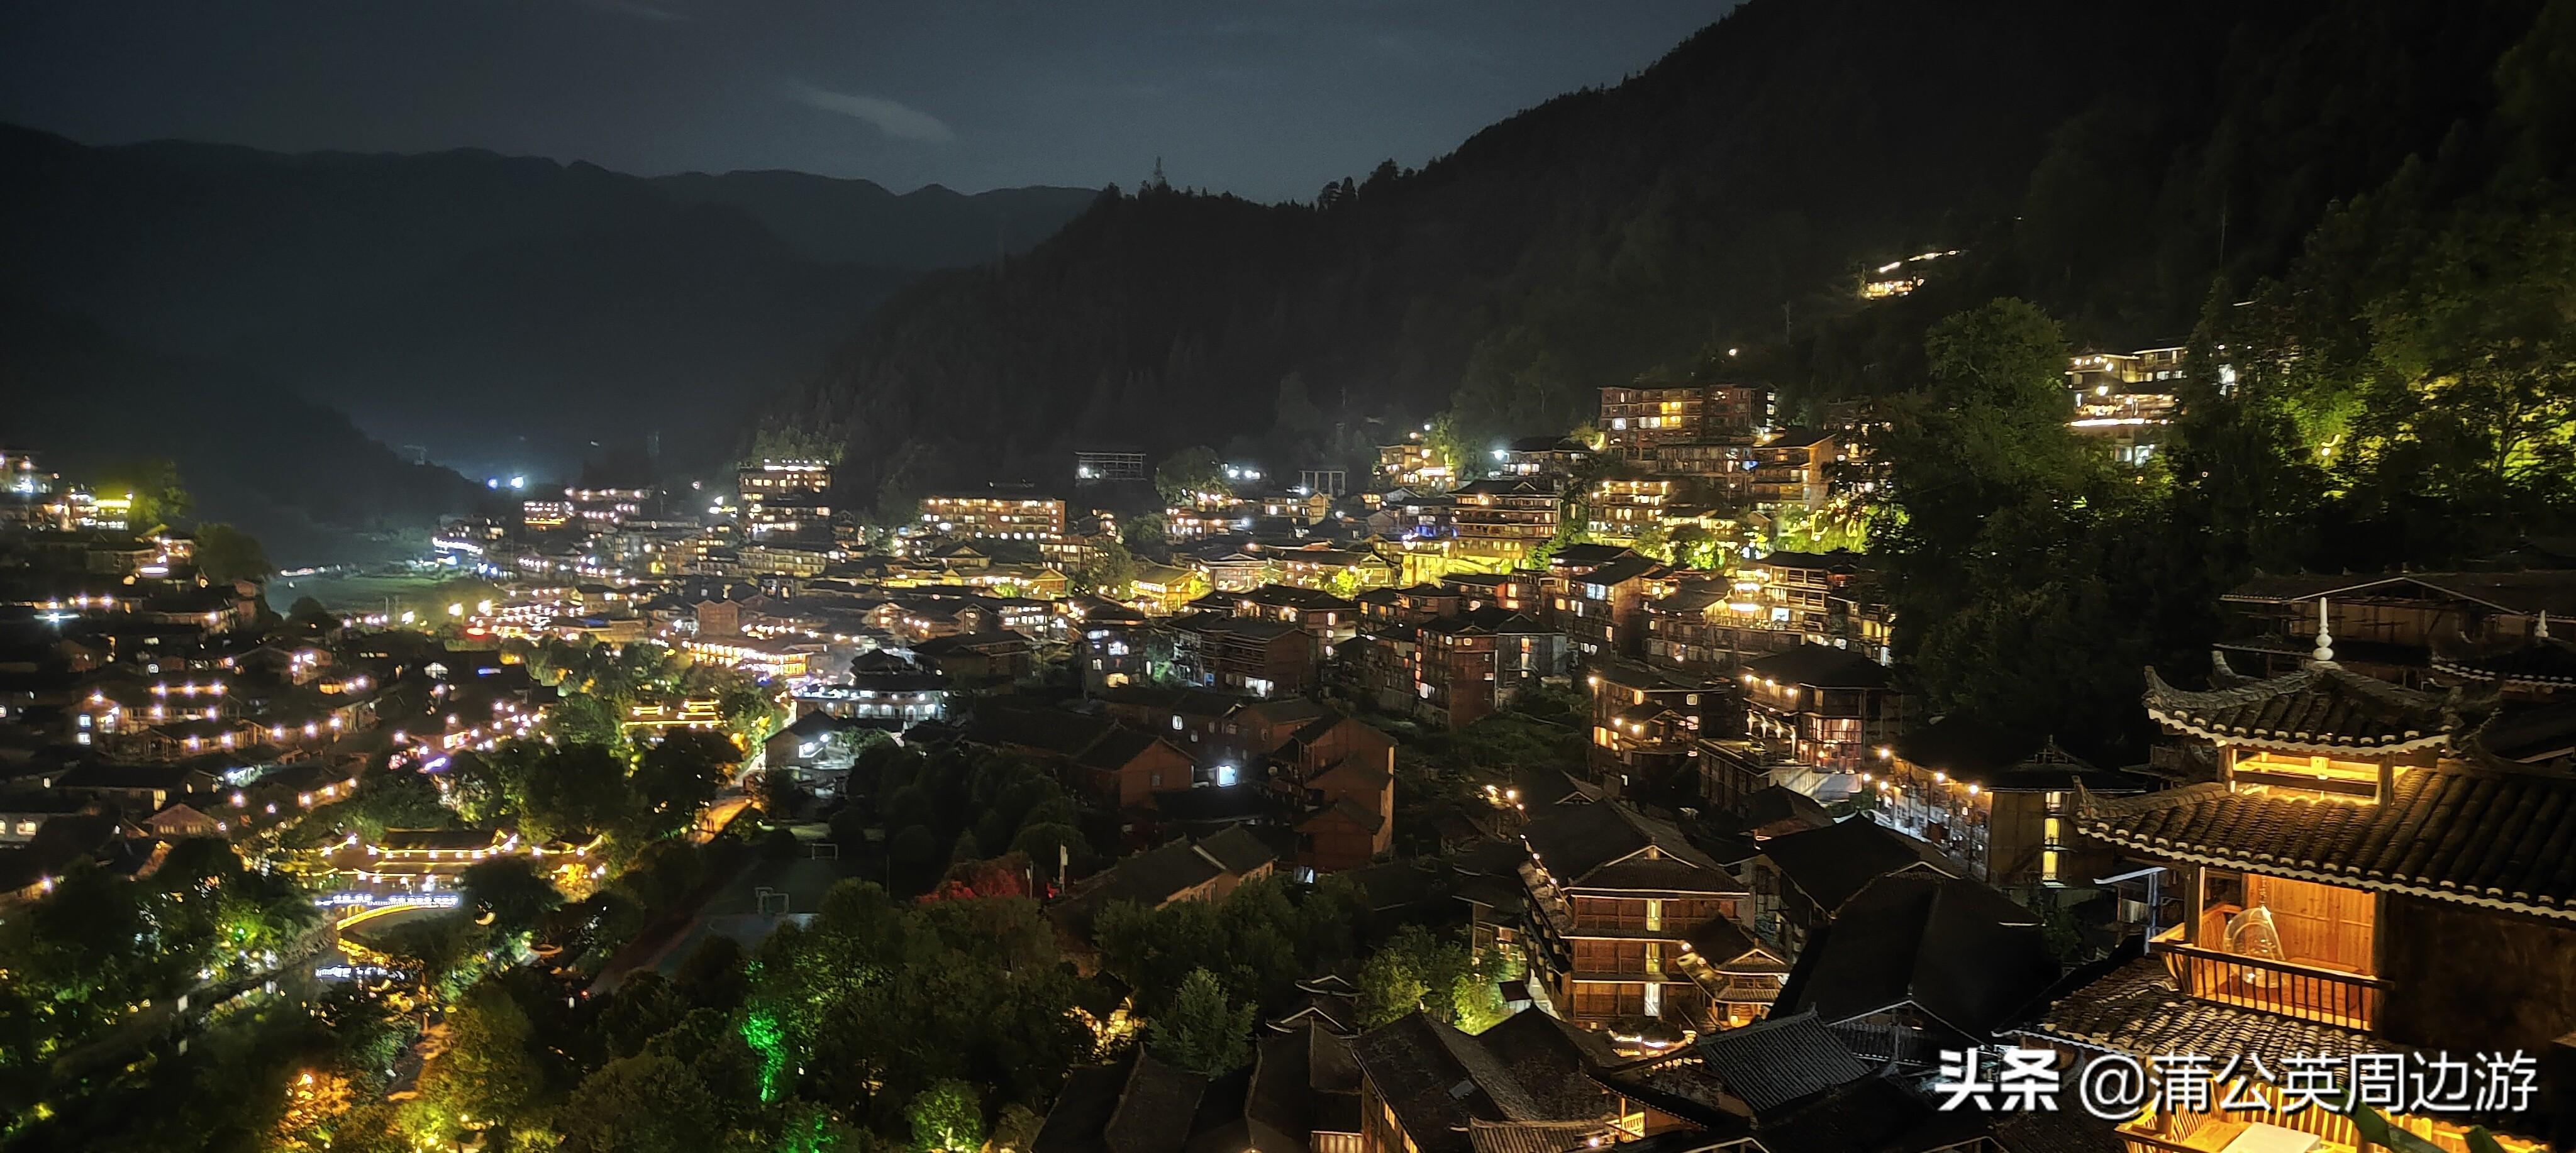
(1417, 970)
(488, 786)
(1109, 574)
(679, 776)
(487, 1074)
(584, 719)
(440, 951)
(947, 1117)
(750, 712)
(1202, 1031)
(1693, 546)
(650, 1103)
(387, 798)
(1390, 988)
(512, 889)
(308, 612)
(226, 554)
(577, 789)
(713, 976)
(1190, 471)
(153, 483)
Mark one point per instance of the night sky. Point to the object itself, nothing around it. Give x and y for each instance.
(1265, 99)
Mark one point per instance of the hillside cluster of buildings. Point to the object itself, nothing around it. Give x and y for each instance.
(142, 701)
(2349, 849)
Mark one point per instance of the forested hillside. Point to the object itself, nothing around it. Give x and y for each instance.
(2107, 160)
(2398, 389)
(502, 311)
(295, 474)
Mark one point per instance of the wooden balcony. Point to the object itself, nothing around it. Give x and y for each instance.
(2327, 996)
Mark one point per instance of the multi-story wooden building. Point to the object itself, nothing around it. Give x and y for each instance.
(1504, 518)
(1542, 456)
(1241, 653)
(1340, 775)
(2401, 627)
(1521, 1086)
(1602, 609)
(1322, 567)
(1411, 605)
(1723, 465)
(1412, 464)
(1826, 708)
(2000, 803)
(1467, 665)
(1792, 469)
(776, 478)
(1635, 419)
(1326, 619)
(2361, 879)
(994, 515)
(1800, 880)
(1708, 626)
(1517, 591)
(1111, 645)
(1614, 899)
(1645, 722)
(1623, 506)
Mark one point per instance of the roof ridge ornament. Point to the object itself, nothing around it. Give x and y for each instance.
(2542, 629)
(2324, 653)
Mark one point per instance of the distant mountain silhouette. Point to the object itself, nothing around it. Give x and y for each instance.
(294, 473)
(465, 300)
(2106, 160)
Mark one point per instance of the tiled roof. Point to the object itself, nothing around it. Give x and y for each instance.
(1775, 1062)
(1831, 864)
(1532, 1137)
(1837, 559)
(1575, 842)
(1957, 951)
(1822, 666)
(1298, 1089)
(1438, 1081)
(1766, 1068)
(2137, 1009)
(2535, 734)
(1872, 1115)
(1155, 1111)
(1624, 568)
(1331, 1011)
(1082, 1109)
(1277, 595)
(1721, 943)
(2539, 661)
(2322, 706)
(1585, 556)
(1774, 810)
(1237, 851)
(2483, 836)
(2552, 591)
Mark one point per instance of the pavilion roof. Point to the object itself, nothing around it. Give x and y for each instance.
(2459, 832)
(2320, 708)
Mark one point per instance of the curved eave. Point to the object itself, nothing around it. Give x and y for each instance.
(2297, 742)
(2309, 871)
(2473, 672)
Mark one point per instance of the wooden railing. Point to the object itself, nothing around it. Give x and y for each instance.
(2348, 1000)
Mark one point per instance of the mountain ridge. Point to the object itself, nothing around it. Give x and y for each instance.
(2109, 161)
(381, 283)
